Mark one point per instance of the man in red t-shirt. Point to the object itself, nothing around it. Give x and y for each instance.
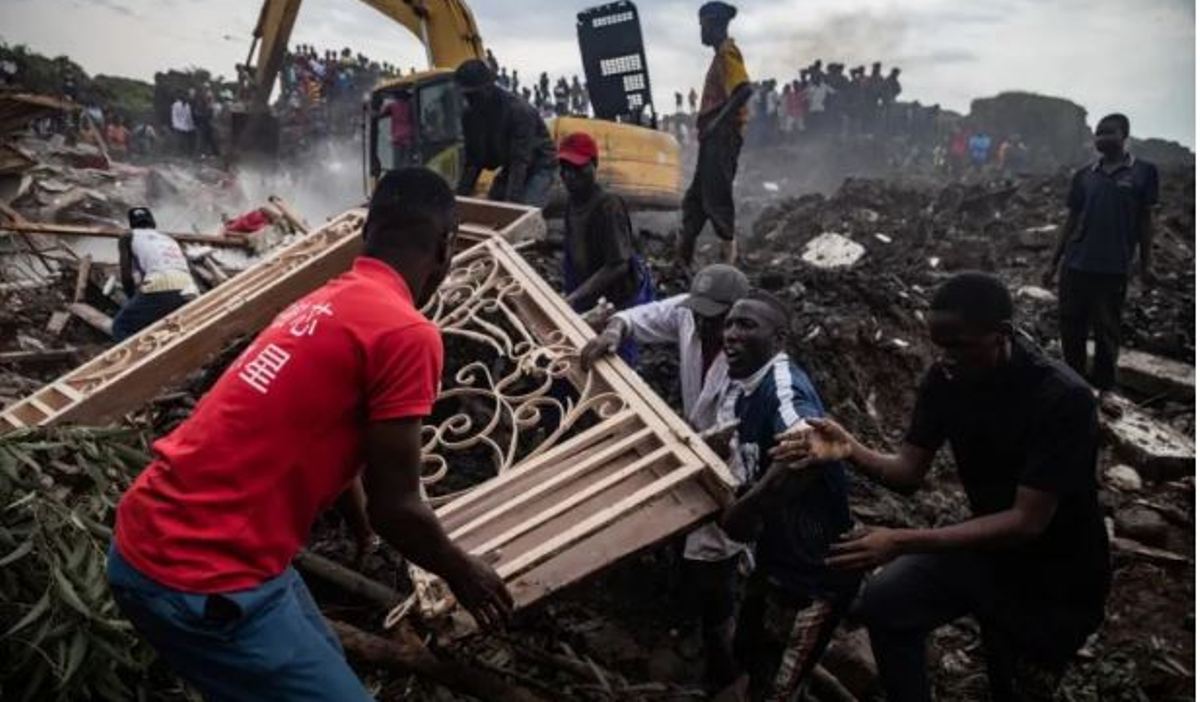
(336, 386)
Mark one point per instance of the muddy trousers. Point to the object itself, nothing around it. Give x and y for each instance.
(781, 636)
(1092, 302)
(710, 196)
(916, 594)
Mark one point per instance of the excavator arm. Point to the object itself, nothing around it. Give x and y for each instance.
(446, 28)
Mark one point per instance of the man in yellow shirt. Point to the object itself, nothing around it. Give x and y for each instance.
(720, 127)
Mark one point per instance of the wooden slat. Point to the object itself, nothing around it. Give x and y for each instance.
(570, 500)
(599, 520)
(591, 462)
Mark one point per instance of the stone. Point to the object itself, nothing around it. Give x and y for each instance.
(1122, 477)
(832, 250)
(1036, 293)
(849, 659)
(1142, 524)
(1155, 449)
(1153, 375)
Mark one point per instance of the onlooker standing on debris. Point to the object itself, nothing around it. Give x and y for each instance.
(332, 392)
(600, 258)
(183, 126)
(504, 133)
(154, 274)
(1110, 222)
(1032, 565)
(695, 322)
(116, 136)
(720, 130)
(980, 147)
(793, 600)
(202, 114)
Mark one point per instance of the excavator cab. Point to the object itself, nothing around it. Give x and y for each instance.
(416, 121)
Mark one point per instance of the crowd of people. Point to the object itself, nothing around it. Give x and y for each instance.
(322, 91)
(564, 98)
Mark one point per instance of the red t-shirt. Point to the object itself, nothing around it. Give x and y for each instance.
(234, 490)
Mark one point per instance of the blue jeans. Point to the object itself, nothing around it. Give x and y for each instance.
(145, 309)
(266, 643)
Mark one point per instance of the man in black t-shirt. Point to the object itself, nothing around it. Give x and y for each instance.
(1032, 564)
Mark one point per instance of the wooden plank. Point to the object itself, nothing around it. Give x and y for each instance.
(592, 460)
(289, 214)
(94, 317)
(569, 501)
(81, 278)
(34, 357)
(597, 521)
(58, 322)
(50, 228)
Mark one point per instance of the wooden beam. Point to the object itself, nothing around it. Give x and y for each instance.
(289, 214)
(81, 278)
(50, 228)
(34, 357)
(346, 579)
(94, 317)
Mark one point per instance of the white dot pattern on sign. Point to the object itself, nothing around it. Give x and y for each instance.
(635, 81)
(621, 64)
(609, 20)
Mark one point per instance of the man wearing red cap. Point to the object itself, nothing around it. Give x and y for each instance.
(600, 259)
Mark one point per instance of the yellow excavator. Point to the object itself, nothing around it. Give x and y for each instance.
(638, 162)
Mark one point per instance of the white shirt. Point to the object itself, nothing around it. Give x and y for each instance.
(161, 262)
(181, 117)
(703, 395)
(816, 97)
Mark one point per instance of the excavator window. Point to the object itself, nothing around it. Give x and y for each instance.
(417, 125)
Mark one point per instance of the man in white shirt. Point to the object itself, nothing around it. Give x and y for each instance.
(695, 322)
(183, 125)
(154, 274)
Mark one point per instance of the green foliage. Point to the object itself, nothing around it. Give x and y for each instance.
(61, 635)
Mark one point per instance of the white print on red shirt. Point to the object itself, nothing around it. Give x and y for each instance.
(259, 372)
(302, 317)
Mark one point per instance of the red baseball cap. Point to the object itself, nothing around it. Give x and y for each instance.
(578, 149)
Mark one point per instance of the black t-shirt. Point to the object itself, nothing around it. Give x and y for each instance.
(599, 234)
(1033, 425)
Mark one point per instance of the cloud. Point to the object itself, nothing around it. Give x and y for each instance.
(1104, 54)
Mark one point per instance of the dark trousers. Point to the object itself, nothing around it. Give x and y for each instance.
(146, 309)
(1092, 302)
(1027, 647)
(710, 196)
(711, 594)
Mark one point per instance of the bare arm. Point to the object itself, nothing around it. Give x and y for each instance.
(1146, 244)
(825, 440)
(397, 512)
(125, 258)
(470, 176)
(599, 280)
(1026, 519)
(1068, 230)
(739, 97)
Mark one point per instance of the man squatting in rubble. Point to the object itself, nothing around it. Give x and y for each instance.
(1110, 222)
(793, 600)
(154, 275)
(334, 390)
(720, 127)
(695, 321)
(1032, 564)
(600, 259)
(506, 134)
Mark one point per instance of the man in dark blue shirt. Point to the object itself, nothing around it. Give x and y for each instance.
(793, 600)
(1109, 221)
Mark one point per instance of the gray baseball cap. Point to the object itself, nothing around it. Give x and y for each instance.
(715, 288)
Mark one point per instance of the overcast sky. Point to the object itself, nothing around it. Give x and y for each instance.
(1108, 55)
